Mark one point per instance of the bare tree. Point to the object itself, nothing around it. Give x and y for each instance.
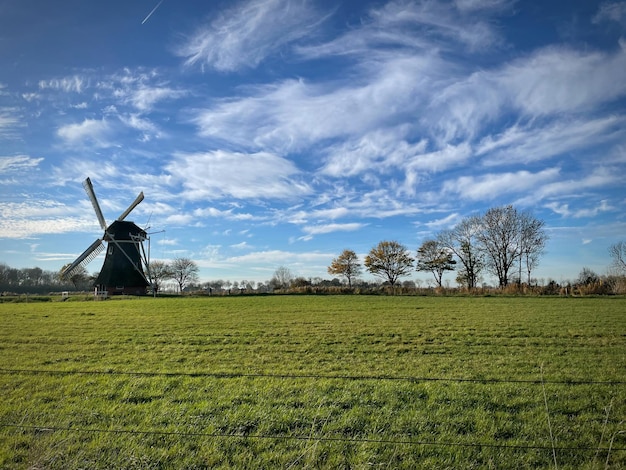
(282, 278)
(389, 260)
(500, 240)
(462, 240)
(184, 271)
(508, 237)
(159, 271)
(533, 239)
(436, 258)
(346, 265)
(618, 254)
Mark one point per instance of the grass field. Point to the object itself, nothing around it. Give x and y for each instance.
(314, 382)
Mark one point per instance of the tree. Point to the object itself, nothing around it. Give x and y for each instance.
(533, 240)
(587, 277)
(463, 242)
(184, 271)
(346, 265)
(282, 278)
(436, 258)
(499, 239)
(506, 237)
(389, 260)
(159, 271)
(618, 254)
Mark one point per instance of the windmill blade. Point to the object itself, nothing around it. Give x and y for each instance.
(137, 200)
(88, 255)
(94, 202)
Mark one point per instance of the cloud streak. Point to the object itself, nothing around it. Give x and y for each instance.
(248, 33)
(220, 174)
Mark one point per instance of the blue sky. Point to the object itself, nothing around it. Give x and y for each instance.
(272, 133)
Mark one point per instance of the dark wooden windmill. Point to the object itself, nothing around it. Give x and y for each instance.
(125, 258)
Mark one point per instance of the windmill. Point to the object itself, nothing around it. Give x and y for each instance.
(125, 258)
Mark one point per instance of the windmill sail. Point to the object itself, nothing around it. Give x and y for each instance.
(88, 255)
(94, 202)
(137, 200)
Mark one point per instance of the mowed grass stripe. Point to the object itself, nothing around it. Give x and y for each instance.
(183, 345)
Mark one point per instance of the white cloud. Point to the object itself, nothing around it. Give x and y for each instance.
(147, 127)
(601, 177)
(482, 5)
(241, 246)
(375, 151)
(331, 213)
(223, 174)
(75, 84)
(18, 163)
(534, 142)
(246, 34)
(329, 228)
(447, 222)
(548, 82)
(425, 27)
(146, 97)
(437, 20)
(179, 219)
(565, 211)
(94, 131)
(36, 217)
(294, 114)
(31, 96)
(9, 122)
(558, 79)
(225, 214)
(611, 12)
(493, 185)
(280, 257)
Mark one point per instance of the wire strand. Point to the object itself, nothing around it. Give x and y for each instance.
(304, 438)
(234, 375)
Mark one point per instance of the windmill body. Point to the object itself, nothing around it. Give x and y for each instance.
(124, 262)
(122, 271)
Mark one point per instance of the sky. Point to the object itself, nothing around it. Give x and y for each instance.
(268, 133)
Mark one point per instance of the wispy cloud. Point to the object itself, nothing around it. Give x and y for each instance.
(493, 185)
(36, 217)
(425, 27)
(220, 174)
(560, 79)
(145, 97)
(10, 122)
(18, 163)
(245, 35)
(532, 142)
(294, 114)
(330, 228)
(71, 84)
(277, 257)
(611, 12)
(91, 131)
(565, 211)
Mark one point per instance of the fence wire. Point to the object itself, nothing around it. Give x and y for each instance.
(44, 428)
(235, 375)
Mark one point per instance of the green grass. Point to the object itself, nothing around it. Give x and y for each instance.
(313, 382)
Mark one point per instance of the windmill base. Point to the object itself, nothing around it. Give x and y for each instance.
(106, 291)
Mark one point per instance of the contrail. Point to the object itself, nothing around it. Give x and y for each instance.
(153, 10)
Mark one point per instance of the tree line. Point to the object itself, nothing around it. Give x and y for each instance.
(502, 242)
